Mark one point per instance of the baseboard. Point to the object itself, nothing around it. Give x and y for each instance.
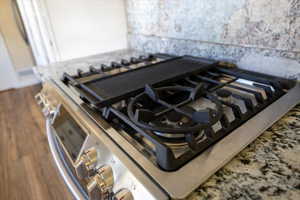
(26, 77)
(7, 90)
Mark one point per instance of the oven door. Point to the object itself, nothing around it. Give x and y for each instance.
(61, 162)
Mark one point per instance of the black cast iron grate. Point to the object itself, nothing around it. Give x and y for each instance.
(195, 75)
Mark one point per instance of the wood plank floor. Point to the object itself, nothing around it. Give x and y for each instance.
(27, 170)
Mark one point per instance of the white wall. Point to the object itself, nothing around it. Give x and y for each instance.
(7, 74)
(87, 27)
(18, 50)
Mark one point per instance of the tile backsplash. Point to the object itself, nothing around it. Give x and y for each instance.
(260, 35)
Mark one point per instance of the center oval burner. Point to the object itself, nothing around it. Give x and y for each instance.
(173, 121)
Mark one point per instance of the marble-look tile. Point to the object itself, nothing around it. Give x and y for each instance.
(196, 20)
(294, 8)
(263, 23)
(250, 23)
(269, 61)
(258, 35)
(143, 15)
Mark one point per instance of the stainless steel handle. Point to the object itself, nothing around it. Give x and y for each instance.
(64, 171)
(19, 21)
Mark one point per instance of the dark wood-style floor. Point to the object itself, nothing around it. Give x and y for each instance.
(26, 167)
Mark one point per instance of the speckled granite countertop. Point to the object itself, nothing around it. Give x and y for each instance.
(269, 168)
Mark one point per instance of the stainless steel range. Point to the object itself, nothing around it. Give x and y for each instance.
(156, 126)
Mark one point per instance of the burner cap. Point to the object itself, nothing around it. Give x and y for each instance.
(224, 93)
(174, 120)
(173, 116)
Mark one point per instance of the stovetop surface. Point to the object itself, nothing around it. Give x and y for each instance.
(173, 108)
(141, 144)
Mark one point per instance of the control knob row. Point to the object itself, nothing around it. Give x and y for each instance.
(87, 163)
(124, 63)
(135, 60)
(100, 181)
(100, 186)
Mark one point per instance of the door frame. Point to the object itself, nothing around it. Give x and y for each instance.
(39, 31)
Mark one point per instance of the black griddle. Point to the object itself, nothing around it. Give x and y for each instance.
(107, 90)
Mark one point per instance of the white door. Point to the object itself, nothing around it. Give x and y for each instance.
(7, 73)
(61, 30)
(84, 28)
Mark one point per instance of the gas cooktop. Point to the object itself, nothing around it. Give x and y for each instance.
(156, 126)
(171, 109)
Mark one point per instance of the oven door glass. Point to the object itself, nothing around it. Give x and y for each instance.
(70, 134)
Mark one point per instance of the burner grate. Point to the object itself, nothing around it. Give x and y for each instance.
(143, 106)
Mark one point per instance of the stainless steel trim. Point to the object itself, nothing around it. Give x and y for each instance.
(213, 158)
(150, 186)
(216, 157)
(65, 173)
(209, 161)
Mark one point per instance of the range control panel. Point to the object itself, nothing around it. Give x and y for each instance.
(98, 170)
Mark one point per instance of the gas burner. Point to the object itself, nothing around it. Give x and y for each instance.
(175, 121)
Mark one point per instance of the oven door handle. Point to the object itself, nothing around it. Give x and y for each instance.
(70, 180)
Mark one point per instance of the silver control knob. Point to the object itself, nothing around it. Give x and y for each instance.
(100, 186)
(123, 194)
(86, 164)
